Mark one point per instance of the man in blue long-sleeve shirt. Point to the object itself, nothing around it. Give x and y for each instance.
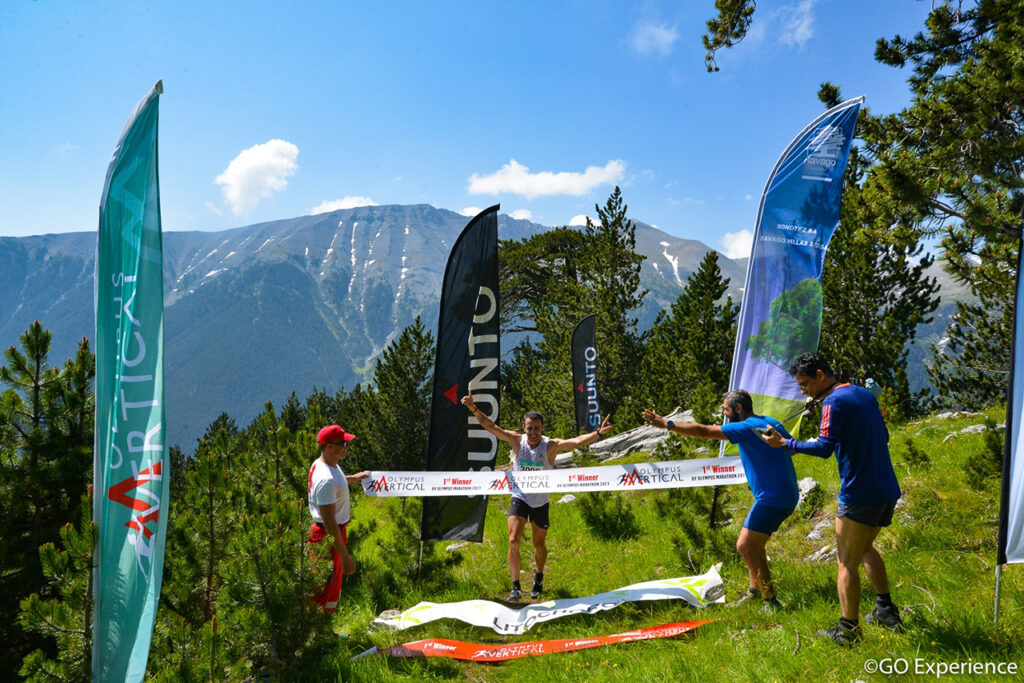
(853, 429)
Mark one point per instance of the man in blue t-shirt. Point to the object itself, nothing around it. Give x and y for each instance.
(770, 475)
(852, 427)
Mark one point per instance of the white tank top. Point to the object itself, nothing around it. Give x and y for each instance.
(530, 460)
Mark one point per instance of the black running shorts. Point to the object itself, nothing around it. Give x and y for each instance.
(537, 515)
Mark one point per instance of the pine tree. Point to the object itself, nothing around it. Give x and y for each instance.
(355, 411)
(541, 272)
(728, 27)
(67, 618)
(238, 583)
(876, 294)
(970, 370)
(292, 413)
(612, 271)
(198, 532)
(271, 457)
(268, 620)
(558, 278)
(45, 464)
(691, 345)
(401, 402)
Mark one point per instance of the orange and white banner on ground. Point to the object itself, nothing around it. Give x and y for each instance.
(474, 652)
(651, 475)
(697, 590)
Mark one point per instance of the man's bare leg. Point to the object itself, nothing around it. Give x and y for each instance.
(751, 547)
(853, 540)
(515, 533)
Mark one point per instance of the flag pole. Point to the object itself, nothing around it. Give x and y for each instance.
(1008, 453)
(999, 576)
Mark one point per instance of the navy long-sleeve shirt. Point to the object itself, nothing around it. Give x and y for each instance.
(852, 427)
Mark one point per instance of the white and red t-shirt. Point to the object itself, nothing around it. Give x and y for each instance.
(328, 485)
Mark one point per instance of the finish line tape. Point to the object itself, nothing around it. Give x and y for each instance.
(474, 652)
(699, 591)
(638, 477)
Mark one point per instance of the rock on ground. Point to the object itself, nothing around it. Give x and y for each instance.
(643, 438)
(807, 486)
(973, 429)
(825, 553)
(819, 529)
(955, 413)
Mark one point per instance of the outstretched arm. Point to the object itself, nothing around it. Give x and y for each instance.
(556, 446)
(508, 436)
(822, 447)
(686, 428)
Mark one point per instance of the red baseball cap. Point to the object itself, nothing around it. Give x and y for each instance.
(333, 434)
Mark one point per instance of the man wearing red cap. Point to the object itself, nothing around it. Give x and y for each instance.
(330, 508)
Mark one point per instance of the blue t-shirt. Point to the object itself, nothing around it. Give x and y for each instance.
(853, 428)
(769, 471)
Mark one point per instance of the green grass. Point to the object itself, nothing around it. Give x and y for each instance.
(940, 554)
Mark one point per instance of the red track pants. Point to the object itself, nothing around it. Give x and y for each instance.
(328, 597)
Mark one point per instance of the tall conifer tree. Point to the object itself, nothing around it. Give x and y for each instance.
(690, 345)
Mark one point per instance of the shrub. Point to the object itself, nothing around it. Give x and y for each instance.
(987, 463)
(914, 456)
(609, 517)
(813, 502)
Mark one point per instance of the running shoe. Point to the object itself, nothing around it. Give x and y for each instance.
(538, 587)
(515, 595)
(771, 605)
(841, 634)
(886, 617)
(750, 594)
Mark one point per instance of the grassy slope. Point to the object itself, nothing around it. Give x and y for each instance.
(940, 554)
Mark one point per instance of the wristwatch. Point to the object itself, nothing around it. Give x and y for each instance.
(670, 424)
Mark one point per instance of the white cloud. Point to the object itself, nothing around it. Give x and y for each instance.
(645, 175)
(748, 197)
(648, 37)
(347, 202)
(214, 208)
(798, 26)
(737, 244)
(471, 211)
(581, 220)
(64, 148)
(522, 214)
(257, 173)
(515, 178)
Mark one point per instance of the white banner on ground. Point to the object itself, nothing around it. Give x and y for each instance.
(699, 591)
(652, 475)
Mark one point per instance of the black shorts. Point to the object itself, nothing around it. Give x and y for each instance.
(537, 516)
(871, 515)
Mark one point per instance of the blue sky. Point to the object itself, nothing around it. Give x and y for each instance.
(279, 109)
